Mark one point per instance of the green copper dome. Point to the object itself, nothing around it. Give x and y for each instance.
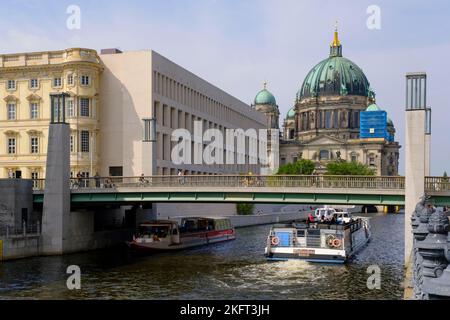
(290, 114)
(265, 97)
(335, 76)
(373, 107)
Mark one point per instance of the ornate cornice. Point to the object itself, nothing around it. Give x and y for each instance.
(11, 98)
(33, 97)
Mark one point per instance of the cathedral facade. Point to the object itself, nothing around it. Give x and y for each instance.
(335, 117)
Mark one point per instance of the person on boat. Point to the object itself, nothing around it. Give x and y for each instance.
(311, 218)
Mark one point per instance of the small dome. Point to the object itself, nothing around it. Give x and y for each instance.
(265, 97)
(290, 114)
(373, 107)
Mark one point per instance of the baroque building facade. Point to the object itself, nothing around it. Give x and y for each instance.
(26, 82)
(324, 124)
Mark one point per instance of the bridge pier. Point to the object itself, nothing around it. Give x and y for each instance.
(56, 211)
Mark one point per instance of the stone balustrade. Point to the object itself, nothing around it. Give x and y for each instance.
(431, 259)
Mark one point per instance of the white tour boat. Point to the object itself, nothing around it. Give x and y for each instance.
(330, 237)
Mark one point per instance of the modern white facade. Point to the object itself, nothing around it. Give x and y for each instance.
(145, 85)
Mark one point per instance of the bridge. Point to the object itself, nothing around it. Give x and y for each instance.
(347, 190)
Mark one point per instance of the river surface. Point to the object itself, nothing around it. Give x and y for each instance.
(232, 270)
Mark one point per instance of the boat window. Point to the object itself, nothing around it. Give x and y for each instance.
(150, 231)
(313, 232)
(202, 225)
(300, 233)
(220, 225)
(188, 226)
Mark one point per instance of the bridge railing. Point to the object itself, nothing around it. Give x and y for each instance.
(437, 184)
(237, 181)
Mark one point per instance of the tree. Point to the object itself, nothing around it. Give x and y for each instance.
(345, 168)
(245, 209)
(301, 167)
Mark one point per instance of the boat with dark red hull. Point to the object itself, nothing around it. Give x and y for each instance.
(168, 235)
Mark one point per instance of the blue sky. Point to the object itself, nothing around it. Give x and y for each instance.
(237, 44)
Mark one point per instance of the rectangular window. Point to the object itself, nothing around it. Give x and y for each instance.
(85, 141)
(57, 82)
(34, 145)
(336, 120)
(85, 80)
(70, 109)
(11, 85)
(11, 145)
(35, 175)
(11, 111)
(327, 119)
(34, 111)
(84, 107)
(356, 119)
(70, 80)
(34, 83)
(72, 144)
(56, 109)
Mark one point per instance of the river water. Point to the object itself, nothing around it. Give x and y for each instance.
(232, 270)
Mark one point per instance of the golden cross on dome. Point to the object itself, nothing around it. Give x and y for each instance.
(336, 42)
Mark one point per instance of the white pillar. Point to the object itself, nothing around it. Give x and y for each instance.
(427, 155)
(417, 158)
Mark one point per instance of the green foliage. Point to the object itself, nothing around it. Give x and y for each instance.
(345, 168)
(301, 167)
(445, 176)
(245, 209)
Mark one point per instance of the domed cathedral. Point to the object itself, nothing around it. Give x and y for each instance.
(325, 123)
